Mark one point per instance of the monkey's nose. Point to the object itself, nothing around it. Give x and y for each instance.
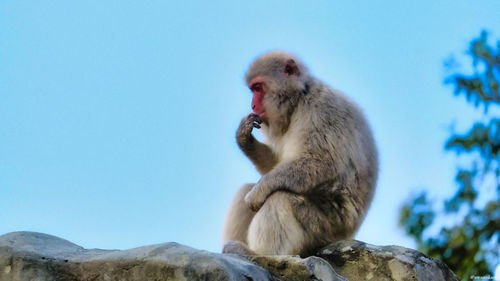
(253, 106)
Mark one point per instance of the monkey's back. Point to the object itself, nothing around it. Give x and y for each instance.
(335, 130)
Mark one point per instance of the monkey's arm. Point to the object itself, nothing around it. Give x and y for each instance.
(260, 154)
(297, 176)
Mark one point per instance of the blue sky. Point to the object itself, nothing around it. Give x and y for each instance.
(118, 117)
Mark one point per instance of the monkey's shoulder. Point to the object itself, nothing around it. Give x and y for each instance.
(326, 106)
(326, 98)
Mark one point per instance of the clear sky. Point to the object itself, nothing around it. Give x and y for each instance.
(117, 118)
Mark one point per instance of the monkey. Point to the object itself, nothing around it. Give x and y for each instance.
(318, 163)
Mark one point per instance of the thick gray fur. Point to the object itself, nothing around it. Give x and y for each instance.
(318, 162)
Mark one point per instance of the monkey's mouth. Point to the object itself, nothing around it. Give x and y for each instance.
(262, 114)
(260, 110)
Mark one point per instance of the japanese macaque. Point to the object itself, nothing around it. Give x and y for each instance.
(318, 163)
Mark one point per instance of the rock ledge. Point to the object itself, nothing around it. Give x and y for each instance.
(42, 257)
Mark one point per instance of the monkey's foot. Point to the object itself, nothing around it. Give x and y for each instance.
(235, 247)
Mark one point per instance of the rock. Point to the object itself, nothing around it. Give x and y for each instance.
(42, 257)
(293, 268)
(37, 256)
(356, 260)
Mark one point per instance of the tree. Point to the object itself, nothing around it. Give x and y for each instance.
(471, 246)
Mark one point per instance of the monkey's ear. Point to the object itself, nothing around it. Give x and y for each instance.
(291, 68)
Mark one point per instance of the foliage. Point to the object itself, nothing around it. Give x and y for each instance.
(471, 245)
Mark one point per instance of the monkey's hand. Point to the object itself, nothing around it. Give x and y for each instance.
(256, 197)
(244, 136)
(259, 153)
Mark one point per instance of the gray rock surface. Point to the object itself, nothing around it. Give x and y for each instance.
(356, 260)
(42, 257)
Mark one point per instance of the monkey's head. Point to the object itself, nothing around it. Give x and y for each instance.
(276, 80)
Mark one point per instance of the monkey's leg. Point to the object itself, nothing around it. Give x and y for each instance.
(238, 218)
(291, 224)
(276, 229)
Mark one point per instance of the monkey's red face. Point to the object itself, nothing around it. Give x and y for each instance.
(258, 88)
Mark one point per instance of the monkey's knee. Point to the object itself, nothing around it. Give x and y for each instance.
(274, 229)
(238, 217)
(239, 196)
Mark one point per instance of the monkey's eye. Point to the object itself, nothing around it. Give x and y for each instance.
(257, 87)
(288, 70)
